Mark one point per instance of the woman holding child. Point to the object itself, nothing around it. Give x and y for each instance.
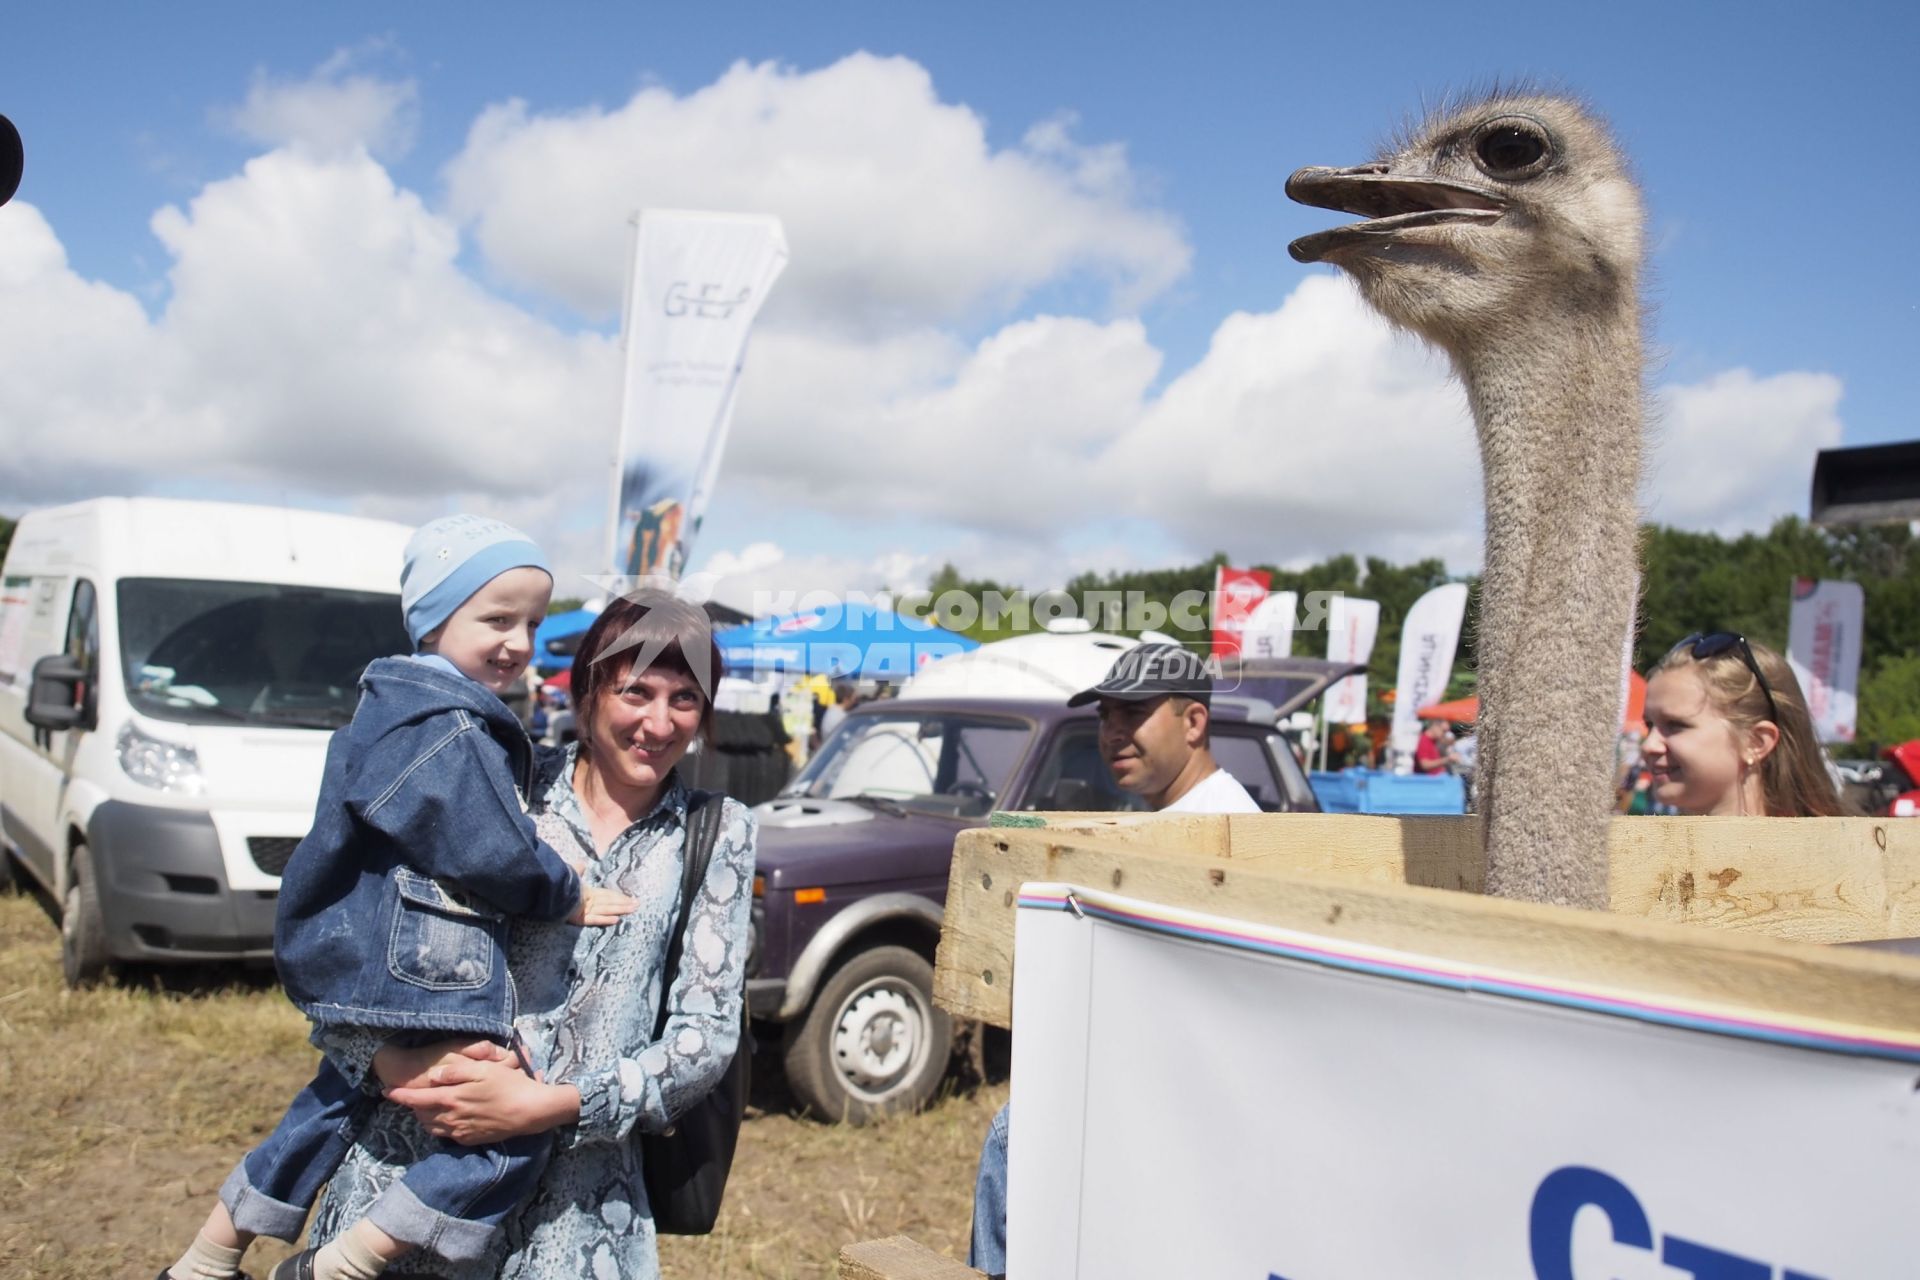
(478, 929)
(589, 997)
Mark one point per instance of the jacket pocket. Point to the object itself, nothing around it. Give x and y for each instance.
(442, 939)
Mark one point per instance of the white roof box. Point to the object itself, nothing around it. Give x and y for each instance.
(1043, 665)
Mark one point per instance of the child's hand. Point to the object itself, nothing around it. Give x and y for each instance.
(601, 907)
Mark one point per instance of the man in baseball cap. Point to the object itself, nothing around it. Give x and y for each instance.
(1155, 710)
(1155, 704)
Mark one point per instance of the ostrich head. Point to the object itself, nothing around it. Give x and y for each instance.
(1486, 216)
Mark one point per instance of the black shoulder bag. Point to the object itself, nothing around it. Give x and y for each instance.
(685, 1168)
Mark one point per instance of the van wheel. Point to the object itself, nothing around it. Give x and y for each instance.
(83, 935)
(873, 1044)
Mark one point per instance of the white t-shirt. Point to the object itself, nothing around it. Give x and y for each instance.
(1218, 792)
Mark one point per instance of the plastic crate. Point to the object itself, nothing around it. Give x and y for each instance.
(1375, 791)
(1337, 792)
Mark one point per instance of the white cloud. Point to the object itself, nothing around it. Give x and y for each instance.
(319, 342)
(1735, 452)
(761, 578)
(332, 111)
(1307, 431)
(898, 211)
(999, 437)
(318, 335)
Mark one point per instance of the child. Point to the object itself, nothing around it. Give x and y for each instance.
(393, 912)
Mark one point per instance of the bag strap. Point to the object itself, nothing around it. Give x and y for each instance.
(704, 812)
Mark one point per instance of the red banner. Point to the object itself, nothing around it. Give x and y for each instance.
(1236, 594)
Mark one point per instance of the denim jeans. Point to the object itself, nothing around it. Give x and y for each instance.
(988, 1252)
(449, 1202)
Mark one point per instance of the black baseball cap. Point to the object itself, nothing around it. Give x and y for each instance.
(1152, 671)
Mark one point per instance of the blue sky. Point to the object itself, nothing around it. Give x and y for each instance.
(1773, 144)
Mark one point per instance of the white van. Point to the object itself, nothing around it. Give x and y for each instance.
(170, 673)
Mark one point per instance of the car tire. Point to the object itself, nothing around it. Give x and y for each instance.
(873, 1044)
(83, 934)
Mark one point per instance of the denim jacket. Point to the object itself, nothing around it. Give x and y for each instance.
(394, 909)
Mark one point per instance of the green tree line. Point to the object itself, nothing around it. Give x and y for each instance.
(1693, 582)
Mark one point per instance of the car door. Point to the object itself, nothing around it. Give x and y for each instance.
(41, 762)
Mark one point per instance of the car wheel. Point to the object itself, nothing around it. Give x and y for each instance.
(873, 1044)
(83, 935)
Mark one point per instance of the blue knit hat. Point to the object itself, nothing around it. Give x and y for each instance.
(451, 558)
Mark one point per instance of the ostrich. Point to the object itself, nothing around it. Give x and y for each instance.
(1507, 233)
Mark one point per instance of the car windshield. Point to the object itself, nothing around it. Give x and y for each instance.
(938, 762)
(251, 652)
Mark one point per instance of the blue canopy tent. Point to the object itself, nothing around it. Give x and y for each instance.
(856, 640)
(558, 637)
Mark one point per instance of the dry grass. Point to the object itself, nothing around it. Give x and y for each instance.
(121, 1109)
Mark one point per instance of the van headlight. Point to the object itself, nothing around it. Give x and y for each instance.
(162, 765)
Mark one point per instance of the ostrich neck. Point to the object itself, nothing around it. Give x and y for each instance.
(1558, 410)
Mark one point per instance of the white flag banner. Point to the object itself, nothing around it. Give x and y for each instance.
(1352, 626)
(699, 279)
(1199, 1096)
(1427, 644)
(1823, 647)
(1268, 630)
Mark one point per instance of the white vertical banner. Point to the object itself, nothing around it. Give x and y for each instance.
(1823, 647)
(1268, 630)
(1427, 644)
(1352, 626)
(699, 279)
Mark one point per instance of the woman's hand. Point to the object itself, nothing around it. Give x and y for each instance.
(398, 1067)
(473, 1101)
(601, 907)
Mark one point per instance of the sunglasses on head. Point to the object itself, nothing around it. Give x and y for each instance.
(1712, 644)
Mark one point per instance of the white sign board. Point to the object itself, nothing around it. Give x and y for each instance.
(699, 279)
(1268, 631)
(1823, 647)
(1202, 1097)
(1351, 627)
(1428, 639)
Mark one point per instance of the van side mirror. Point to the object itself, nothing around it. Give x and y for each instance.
(57, 698)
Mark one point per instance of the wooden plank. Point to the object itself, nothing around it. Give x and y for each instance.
(1743, 971)
(899, 1258)
(1439, 852)
(1812, 879)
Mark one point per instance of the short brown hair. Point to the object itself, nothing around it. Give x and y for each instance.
(649, 626)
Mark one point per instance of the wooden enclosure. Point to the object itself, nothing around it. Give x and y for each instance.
(1715, 913)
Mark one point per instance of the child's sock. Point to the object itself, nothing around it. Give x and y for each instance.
(361, 1253)
(206, 1260)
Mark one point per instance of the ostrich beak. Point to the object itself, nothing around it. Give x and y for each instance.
(1391, 203)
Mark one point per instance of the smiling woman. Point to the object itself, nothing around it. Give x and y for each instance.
(1729, 733)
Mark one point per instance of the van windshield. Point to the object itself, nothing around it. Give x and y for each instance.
(251, 652)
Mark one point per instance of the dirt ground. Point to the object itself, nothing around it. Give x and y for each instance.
(121, 1109)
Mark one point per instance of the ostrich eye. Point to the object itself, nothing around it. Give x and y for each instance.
(1509, 150)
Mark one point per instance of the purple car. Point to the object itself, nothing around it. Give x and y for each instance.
(853, 860)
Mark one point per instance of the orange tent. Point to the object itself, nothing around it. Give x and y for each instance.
(1467, 710)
